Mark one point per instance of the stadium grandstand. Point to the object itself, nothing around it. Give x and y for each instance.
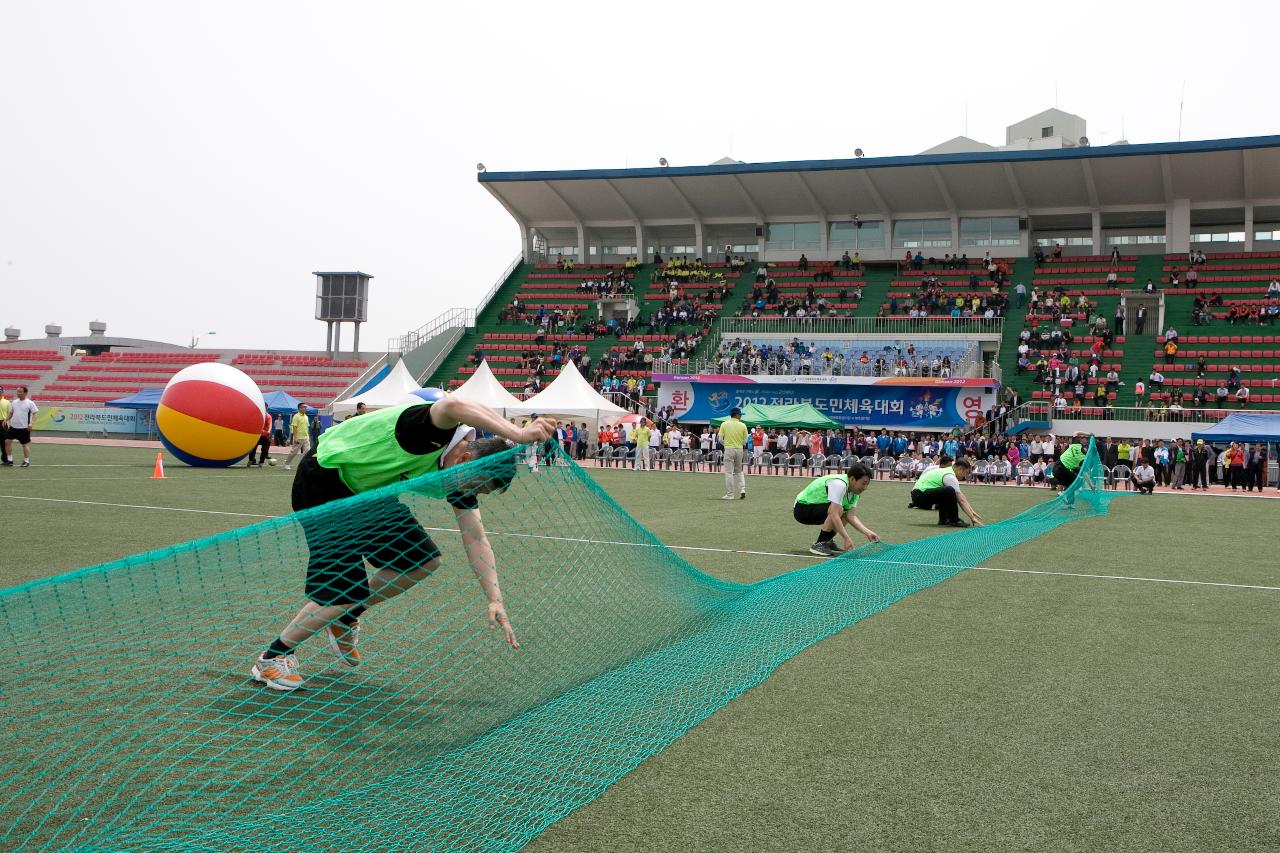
(1086, 255)
(1047, 276)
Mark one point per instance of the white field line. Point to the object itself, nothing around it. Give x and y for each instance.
(738, 551)
(135, 506)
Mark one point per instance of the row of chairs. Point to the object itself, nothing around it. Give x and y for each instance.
(815, 465)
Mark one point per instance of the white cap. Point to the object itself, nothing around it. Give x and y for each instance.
(461, 434)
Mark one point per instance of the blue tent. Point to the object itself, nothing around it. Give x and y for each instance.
(281, 402)
(148, 399)
(1241, 426)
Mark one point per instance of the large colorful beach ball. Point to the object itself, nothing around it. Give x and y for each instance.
(210, 415)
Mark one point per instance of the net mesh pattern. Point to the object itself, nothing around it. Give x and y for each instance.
(131, 722)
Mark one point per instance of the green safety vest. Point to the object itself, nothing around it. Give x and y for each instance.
(932, 479)
(366, 454)
(1073, 457)
(816, 492)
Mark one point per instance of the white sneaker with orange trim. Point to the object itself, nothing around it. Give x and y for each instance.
(279, 673)
(342, 642)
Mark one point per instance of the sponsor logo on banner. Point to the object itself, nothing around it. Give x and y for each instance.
(73, 419)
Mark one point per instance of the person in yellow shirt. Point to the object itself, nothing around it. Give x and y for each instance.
(640, 435)
(733, 433)
(6, 411)
(299, 435)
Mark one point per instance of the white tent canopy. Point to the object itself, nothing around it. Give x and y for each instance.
(483, 387)
(569, 395)
(393, 390)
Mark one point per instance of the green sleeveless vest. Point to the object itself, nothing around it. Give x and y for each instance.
(1073, 457)
(366, 454)
(816, 492)
(932, 479)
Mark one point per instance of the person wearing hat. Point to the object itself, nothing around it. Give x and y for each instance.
(1200, 466)
(364, 454)
(733, 434)
(6, 410)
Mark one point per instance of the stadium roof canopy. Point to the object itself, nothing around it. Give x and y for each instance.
(1211, 174)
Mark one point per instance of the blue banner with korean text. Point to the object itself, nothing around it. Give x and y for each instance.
(898, 403)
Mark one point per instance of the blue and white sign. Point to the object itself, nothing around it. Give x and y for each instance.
(931, 404)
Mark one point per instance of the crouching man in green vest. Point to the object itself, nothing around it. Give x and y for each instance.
(366, 453)
(1067, 468)
(830, 501)
(940, 487)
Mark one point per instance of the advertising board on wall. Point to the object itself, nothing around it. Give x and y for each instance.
(855, 401)
(74, 419)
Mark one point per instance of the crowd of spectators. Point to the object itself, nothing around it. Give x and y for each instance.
(767, 298)
(807, 358)
(612, 283)
(931, 298)
(682, 270)
(553, 319)
(1178, 463)
(1252, 313)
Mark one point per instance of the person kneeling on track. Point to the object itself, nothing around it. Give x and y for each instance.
(940, 488)
(830, 501)
(1144, 478)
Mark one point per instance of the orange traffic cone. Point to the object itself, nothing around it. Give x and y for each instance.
(158, 473)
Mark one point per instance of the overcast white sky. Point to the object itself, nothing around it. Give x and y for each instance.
(175, 168)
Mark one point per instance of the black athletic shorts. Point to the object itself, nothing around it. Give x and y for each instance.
(22, 436)
(1062, 475)
(811, 513)
(385, 532)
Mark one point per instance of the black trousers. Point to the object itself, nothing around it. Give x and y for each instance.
(1253, 477)
(1197, 474)
(1062, 475)
(943, 498)
(263, 445)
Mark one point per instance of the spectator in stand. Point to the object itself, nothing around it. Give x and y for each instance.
(1170, 351)
(1156, 380)
(1220, 397)
(1139, 389)
(1242, 396)
(1141, 319)
(1057, 251)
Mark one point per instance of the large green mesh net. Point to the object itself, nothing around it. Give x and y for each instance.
(130, 722)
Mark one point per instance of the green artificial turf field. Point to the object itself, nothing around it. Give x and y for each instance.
(1000, 710)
